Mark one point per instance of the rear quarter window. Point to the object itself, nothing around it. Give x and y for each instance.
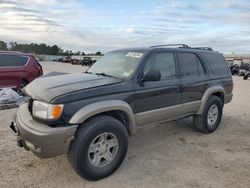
(12, 60)
(216, 62)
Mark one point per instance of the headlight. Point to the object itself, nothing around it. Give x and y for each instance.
(47, 111)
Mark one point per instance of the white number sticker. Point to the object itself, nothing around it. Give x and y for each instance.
(134, 54)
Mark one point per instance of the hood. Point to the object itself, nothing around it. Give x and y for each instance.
(49, 87)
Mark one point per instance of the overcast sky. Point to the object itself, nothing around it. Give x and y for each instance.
(89, 25)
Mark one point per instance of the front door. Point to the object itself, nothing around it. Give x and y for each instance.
(155, 101)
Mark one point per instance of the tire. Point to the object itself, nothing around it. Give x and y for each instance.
(245, 77)
(81, 156)
(205, 124)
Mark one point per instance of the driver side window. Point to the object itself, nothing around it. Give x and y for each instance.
(164, 62)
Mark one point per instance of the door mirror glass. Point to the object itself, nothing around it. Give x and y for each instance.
(152, 75)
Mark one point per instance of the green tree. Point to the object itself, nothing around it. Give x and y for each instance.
(3, 45)
(54, 50)
(12, 45)
(66, 53)
(98, 53)
(37, 48)
(61, 51)
(71, 53)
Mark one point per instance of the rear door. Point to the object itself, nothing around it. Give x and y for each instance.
(154, 99)
(12, 69)
(194, 78)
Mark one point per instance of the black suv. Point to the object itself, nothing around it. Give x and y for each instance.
(89, 116)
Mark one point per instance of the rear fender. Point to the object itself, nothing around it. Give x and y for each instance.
(207, 94)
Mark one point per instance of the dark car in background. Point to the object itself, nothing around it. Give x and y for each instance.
(75, 62)
(87, 61)
(18, 69)
(235, 68)
(243, 69)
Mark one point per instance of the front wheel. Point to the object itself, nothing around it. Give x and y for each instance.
(99, 147)
(209, 121)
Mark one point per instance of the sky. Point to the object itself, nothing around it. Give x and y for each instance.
(104, 25)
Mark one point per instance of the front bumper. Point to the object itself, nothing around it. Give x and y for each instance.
(42, 140)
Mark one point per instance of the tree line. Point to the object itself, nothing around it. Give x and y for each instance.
(40, 49)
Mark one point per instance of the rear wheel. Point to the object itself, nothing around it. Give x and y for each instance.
(99, 147)
(209, 121)
(245, 77)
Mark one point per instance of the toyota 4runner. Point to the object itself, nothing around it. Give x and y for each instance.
(89, 116)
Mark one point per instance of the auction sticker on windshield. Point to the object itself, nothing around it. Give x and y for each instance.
(134, 54)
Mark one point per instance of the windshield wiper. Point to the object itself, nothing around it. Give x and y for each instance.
(87, 72)
(101, 74)
(104, 74)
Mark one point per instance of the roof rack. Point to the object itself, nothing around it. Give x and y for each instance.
(184, 46)
(203, 48)
(180, 45)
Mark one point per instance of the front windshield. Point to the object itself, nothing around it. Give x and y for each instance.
(120, 64)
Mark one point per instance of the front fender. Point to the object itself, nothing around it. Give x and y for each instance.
(104, 106)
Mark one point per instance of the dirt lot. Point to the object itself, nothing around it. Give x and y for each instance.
(167, 155)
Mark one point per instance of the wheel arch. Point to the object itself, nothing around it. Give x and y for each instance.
(115, 108)
(214, 90)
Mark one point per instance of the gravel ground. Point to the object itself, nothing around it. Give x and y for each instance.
(167, 155)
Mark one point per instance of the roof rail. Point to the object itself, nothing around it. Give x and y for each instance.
(184, 46)
(203, 48)
(180, 45)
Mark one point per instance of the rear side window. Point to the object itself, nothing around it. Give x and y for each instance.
(12, 60)
(216, 63)
(190, 64)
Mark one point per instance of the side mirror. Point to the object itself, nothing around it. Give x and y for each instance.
(152, 75)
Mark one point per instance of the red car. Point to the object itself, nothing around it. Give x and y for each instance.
(18, 69)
